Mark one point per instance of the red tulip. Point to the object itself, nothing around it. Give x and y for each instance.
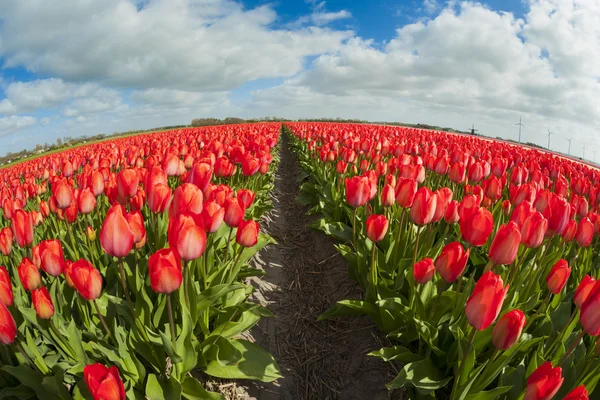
(522, 212)
(558, 276)
(86, 202)
(557, 215)
(104, 383)
(508, 329)
(590, 311)
(200, 175)
(62, 193)
(186, 236)
(212, 215)
(423, 271)
(544, 382)
(22, 226)
(159, 197)
(52, 259)
(452, 262)
(6, 293)
(86, 279)
(476, 225)
(164, 268)
(583, 290)
(187, 198)
(388, 196)
(423, 207)
(67, 273)
(533, 230)
(377, 226)
(127, 183)
(29, 274)
(246, 196)
(505, 244)
(8, 327)
(116, 235)
(405, 192)
(570, 231)
(96, 183)
(486, 301)
(42, 302)
(358, 189)
(234, 212)
(457, 172)
(585, 232)
(579, 393)
(451, 216)
(136, 224)
(247, 233)
(6, 240)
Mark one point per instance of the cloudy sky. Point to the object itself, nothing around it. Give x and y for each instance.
(73, 68)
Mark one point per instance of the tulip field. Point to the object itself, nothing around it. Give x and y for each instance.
(125, 263)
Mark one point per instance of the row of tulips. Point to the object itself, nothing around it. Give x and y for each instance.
(476, 258)
(124, 264)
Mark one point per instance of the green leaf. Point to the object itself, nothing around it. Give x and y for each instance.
(348, 308)
(233, 328)
(337, 230)
(421, 375)
(20, 392)
(193, 390)
(162, 389)
(212, 294)
(186, 345)
(256, 363)
(490, 394)
(397, 353)
(221, 350)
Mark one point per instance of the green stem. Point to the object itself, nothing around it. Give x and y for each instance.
(568, 353)
(103, 322)
(124, 286)
(186, 271)
(171, 322)
(227, 245)
(462, 363)
(373, 267)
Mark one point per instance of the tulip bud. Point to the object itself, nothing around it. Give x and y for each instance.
(533, 230)
(29, 274)
(136, 223)
(234, 212)
(358, 190)
(579, 393)
(451, 216)
(6, 240)
(90, 233)
(506, 207)
(423, 271)
(476, 225)
(159, 198)
(8, 327)
(42, 302)
(52, 257)
(104, 383)
(585, 232)
(116, 236)
(127, 183)
(485, 302)
(570, 230)
(6, 294)
(508, 329)
(388, 196)
(200, 175)
(62, 193)
(583, 290)
(187, 198)
(186, 236)
(423, 207)
(212, 216)
(22, 226)
(246, 196)
(505, 244)
(558, 276)
(164, 269)
(86, 279)
(452, 262)
(87, 201)
(544, 382)
(406, 189)
(247, 233)
(377, 226)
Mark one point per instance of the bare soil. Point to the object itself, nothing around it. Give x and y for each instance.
(305, 276)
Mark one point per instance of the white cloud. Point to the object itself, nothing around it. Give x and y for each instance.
(45, 121)
(212, 45)
(14, 123)
(430, 6)
(101, 100)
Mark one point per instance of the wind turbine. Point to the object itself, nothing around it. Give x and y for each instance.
(520, 125)
(549, 134)
(569, 140)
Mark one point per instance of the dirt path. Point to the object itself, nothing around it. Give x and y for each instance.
(305, 276)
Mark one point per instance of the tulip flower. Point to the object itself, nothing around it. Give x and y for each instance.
(423, 206)
(583, 290)
(42, 302)
(486, 301)
(200, 175)
(212, 216)
(508, 329)
(405, 192)
(86, 279)
(533, 230)
(558, 276)
(585, 232)
(6, 240)
(104, 383)
(557, 214)
(164, 269)
(452, 261)
(234, 212)
(544, 382)
(127, 183)
(246, 196)
(86, 201)
(388, 196)
(63, 194)
(570, 231)
(505, 244)
(451, 216)
(579, 393)
(67, 273)
(116, 236)
(423, 271)
(358, 190)
(476, 225)
(457, 172)
(159, 198)
(187, 198)
(247, 233)
(186, 236)
(52, 258)
(22, 226)
(29, 274)
(8, 327)
(90, 233)
(590, 311)
(377, 226)
(6, 293)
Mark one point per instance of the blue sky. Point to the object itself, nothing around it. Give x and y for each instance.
(82, 67)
